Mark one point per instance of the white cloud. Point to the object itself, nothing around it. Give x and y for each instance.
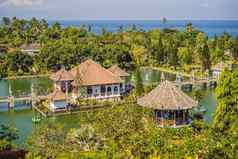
(204, 5)
(20, 2)
(207, 5)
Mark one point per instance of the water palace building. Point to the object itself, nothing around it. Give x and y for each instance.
(171, 106)
(30, 49)
(88, 80)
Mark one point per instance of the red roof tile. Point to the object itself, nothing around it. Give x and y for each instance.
(92, 73)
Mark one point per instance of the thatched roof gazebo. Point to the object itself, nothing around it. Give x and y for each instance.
(171, 105)
(218, 68)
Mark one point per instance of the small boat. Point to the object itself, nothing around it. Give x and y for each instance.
(200, 109)
(36, 119)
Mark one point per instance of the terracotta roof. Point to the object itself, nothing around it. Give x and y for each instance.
(57, 95)
(167, 96)
(62, 75)
(118, 71)
(92, 73)
(220, 66)
(32, 46)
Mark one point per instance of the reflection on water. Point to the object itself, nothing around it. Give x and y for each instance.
(23, 86)
(209, 102)
(152, 76)
(22, 118)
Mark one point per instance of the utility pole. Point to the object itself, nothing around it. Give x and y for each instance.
(11, 97)
(33, 95)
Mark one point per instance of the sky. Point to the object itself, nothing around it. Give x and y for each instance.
(121, 9)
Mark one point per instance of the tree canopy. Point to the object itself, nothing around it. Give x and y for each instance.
(69, 46)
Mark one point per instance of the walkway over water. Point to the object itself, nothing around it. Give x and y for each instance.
(201, 82)
(10, 100)
(6, 99)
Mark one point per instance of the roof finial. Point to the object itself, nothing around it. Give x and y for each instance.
(62, 67)
(162, 78)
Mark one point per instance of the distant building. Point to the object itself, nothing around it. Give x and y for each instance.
(30, 49)
(228, 52)
(217, 69)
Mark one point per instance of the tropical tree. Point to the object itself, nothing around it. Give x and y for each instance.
(8, 134)
(224, 138)
(225, 117)
(6, 21)
(47, 141)
(203, 51)
(235, 49)
(139, 54)
(184, 55)
(139, 82)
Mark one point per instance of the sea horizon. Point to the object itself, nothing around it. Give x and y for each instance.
(210, 27)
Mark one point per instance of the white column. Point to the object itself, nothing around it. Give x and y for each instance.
(112, 87)
(105, 90)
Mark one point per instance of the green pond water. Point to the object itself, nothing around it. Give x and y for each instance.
(21, 117)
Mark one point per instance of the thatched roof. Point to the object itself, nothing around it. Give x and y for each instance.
(57, 95)
(220, 66)
(116, 70)
(167, 96)
(62, 75)
(92, 73)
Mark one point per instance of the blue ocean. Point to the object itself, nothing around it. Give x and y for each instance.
(211, 27)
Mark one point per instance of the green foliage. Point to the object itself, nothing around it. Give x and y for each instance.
(5, 145)
(235, 49)
(70, 46)
(225, 119)
(8, 134)
(184, 55)
(47, 141)
(92, 102)
(203, 51)
(123, 131)
(197, 94)
(128, 131)
(223, 143)
(138, 83)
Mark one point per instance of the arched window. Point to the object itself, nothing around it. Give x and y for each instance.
(115, 90)
(89, 90)
(109, 90)
(103, 89)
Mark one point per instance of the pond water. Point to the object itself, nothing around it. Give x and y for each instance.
(21, 118)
